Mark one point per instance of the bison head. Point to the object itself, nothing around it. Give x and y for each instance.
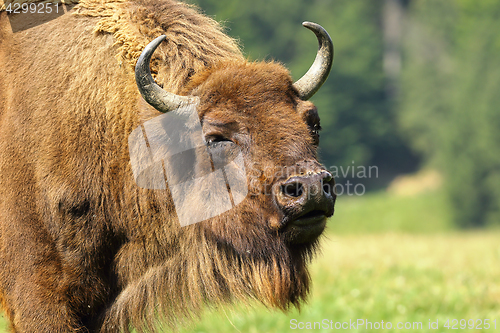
(254, 110)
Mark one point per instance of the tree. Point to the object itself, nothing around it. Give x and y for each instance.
(450, 104)
(357, 116)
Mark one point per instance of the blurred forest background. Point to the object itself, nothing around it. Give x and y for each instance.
(415, 85)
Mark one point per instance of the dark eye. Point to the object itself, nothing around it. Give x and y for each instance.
(315, 128)
(222, 150)
(311, 118)
(214, 139)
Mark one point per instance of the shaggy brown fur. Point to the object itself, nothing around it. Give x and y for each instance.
(82, 248)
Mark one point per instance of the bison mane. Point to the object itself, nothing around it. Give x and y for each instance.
(195, 42)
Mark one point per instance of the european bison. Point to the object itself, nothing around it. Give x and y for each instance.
(83, 246)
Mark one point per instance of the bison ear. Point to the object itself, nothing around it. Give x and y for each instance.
(310, 83)
(152, 93)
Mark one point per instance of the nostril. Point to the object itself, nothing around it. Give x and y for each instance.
(293, 189)
(326, 188)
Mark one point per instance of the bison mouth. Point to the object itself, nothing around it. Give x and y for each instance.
(306, 201)
(306, 227)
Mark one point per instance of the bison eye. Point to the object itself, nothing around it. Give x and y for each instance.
(222, 150)
(315, 132)
(213, 139)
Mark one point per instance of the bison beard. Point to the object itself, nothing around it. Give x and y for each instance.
(82, 247)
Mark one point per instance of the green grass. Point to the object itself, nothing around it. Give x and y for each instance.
(389, 258)
(3, 324)
(391, 277)
(380, 212)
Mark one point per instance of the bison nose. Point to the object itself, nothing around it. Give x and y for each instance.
(310, 189)
(313, 186)
(306, 201)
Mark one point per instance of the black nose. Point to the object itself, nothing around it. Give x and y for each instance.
(310, 186)
(307, 196)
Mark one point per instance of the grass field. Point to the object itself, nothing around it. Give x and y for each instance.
(392, 259)
(391, 277)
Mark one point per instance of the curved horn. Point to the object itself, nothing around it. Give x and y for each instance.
(160, 99)
(309, 84)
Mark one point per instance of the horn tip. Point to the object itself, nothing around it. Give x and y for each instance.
(158, 40)
(309, 24)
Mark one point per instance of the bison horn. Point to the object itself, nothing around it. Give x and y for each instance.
(309, 84)
(160, 99)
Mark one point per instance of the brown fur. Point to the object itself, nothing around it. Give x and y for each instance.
(81, 246)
